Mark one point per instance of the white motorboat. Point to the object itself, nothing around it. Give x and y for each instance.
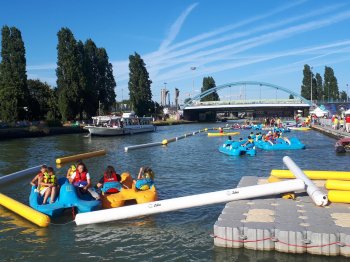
(126, 124)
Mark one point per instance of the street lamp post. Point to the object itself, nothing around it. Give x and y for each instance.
(193, 68)
(347, 92)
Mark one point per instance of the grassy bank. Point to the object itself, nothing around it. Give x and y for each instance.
(34, 131)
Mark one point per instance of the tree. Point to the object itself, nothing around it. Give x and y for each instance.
(343, 96)
(291, 96)
(306, 84)
(208, 83)
(314, 88)
(319, 87)
(106, 82)
(53, 110)
(39, 99)
(139, 86)
(13, 76)
(71, 83)
(331, 89)
(90, 65)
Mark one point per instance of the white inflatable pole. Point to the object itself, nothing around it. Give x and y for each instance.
(188, 202)
(319, 197)
(127, 148)
(164, 142)
(13, 176)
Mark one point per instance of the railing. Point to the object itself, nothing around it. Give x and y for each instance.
(243, 102)
(325, 121)
(320, 102)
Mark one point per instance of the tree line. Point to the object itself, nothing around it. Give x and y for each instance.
(325, 89)
(84, 81)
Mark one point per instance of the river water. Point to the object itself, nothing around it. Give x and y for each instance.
(189, 166)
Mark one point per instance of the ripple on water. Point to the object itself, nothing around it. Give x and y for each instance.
(186, 167)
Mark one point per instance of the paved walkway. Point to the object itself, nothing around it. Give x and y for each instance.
(330, 131)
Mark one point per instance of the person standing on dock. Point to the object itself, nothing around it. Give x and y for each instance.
(347, 122)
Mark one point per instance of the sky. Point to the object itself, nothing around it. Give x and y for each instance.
(267, 41)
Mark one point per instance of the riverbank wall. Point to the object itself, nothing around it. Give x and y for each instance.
(33, 131)
(173, 122)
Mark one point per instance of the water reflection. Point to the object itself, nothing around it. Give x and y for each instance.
(12, 222)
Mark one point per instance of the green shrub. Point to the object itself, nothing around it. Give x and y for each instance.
(54, 123)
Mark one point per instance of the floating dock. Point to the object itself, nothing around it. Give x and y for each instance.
(285, 225)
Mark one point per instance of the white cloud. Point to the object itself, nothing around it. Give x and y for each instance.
(176, 27)
(226, 48)
(41, 67)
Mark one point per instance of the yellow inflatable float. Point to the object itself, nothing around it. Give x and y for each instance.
(224, 134)
(130, 194)
(27, 212)
(67, 159)
(273, 179)
(313, 174)
(299, 128)
(337, 185)
(339, 196)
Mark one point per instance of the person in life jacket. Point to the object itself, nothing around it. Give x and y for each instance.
(258, 136)
(35, 180)
(82, 181)
(47, 185)
(228, 142)
(252, 135)
(250, 143)
(110, 182)
(72, 169)
(145, 179)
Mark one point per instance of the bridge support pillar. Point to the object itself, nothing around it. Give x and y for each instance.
(202, 116)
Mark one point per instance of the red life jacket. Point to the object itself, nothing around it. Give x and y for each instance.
(111, 179)
(79, 177)
(112, 184)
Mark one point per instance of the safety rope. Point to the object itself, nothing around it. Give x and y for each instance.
(279, 241)
(63, 224)
(73, 213)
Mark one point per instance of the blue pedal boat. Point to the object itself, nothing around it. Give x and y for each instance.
(67, 198)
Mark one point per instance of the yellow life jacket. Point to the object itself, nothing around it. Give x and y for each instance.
(48, 179)
(73, 168)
